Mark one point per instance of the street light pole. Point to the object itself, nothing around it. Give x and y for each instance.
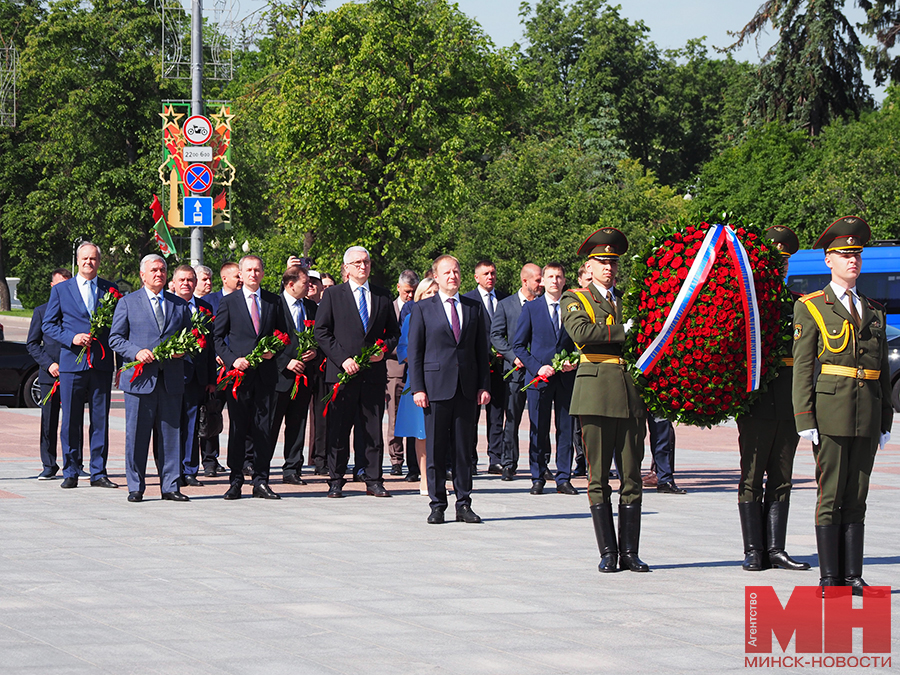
(196, 105)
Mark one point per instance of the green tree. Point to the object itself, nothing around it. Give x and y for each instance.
(883, 24)
(813, 73)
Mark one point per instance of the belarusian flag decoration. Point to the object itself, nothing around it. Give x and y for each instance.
(161, 229)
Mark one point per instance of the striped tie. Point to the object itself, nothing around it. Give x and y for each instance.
(363, 308)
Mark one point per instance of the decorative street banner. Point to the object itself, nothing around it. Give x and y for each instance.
(181, 154)
(711, 321)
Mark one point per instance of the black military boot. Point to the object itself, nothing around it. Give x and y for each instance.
(753, 534)
(827, 538)
(776, 533)
(606, 537)
(629, 536)
(852, 535)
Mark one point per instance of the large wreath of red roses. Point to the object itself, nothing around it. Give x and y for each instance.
(701, 378)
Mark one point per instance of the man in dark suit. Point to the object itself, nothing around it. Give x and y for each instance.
(153, 390)
(245, 317)
(503, 330)
(539, 337)
(489, 296)
(350, 317)
(449, 374)
(297, 309)
(45, 350)
(396, 377)
(199, 379)
(68, 321)
(230, 273)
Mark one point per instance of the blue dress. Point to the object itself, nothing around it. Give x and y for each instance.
(410, 422)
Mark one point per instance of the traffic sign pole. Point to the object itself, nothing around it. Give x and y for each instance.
(196, 105)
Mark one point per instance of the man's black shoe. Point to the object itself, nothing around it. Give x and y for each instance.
(436, 517)
(320, 471)
(396, 469)
(71, 482)
(508, 473)
(176, 496)
(376, 489)
(670, 489)
(135, 497)
(335, 491)
(292, 479)
(210, 472)
(263, 491)
(191, 481)
(465, 514)
(537, 487)
(103, 482)
(234, 492)
(566, 488)
(412, 478)
(495, 469)
(359, 477)
(548, 476)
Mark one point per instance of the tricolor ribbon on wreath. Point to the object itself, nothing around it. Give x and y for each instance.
(717, 237)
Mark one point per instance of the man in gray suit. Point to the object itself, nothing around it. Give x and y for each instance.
(503, 329)
(396, 374)
(142, 321)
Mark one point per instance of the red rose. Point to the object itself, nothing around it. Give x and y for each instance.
(308, 323)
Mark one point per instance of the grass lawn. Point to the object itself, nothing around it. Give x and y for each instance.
(17, 312)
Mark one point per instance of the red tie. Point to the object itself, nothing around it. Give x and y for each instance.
(454, 319)
(254, 313)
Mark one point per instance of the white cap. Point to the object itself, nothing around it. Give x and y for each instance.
(313, 274)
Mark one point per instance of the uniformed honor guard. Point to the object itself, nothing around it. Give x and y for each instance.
(611, 411)
(842, 399)
(767, 437)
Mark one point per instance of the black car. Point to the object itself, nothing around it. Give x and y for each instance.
(893, 343)
(18, 376)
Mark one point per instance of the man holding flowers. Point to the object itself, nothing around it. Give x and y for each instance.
(78, 316)
(153, 386)
(611, 410)
(247, 318)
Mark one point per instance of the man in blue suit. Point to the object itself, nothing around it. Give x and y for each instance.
(503, 330)
(539, 337)
(142, 321)
(45, 350)
(68, 321)
(449, 374)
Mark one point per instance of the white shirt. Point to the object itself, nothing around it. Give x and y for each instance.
(447, 307)
(296, 310)
(604, 291)
(156, 300)
(522, 298)
(550, 303)
(354, 288)
(844, 296)
(88, 290)
(489, 304)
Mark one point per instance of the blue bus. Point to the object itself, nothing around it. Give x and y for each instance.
(879, 280)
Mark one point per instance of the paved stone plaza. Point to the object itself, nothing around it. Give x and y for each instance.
(90, 583)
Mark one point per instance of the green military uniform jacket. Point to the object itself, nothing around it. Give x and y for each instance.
(776, 402)
(604, 389)
(835, 404)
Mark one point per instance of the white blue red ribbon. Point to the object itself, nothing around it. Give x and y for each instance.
(716, 236)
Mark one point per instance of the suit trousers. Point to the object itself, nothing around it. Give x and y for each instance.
(449, 434)
(395, 386)
(493, 421)
(293, 412)
(250, 423)
(843, 467)
(49, 429)
(93, 387)
(160, 413)
(358, 406)
(318, 447)
(554, 397)
(662, 447)
(190, 443)
(767, 449)
(515, 406)
(608, 437)
(209, 447)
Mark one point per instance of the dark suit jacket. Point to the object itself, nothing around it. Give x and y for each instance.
(286, 377)
(437, 364)
(486, 317)
(202, 367)
(503, 330)
(235, 337)
(394, 367)
(134, 328)
(339, 330)
(535, 342)
(66, 316)
(43, 348)
(214, 299)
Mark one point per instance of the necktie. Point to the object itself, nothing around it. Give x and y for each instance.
(89, 302)
(254, 313)
(363, 308)
(158, 313)
(454, 319)
(299, 305)
(555, 306)
(490, 304)
(609, 296)
(853, 311)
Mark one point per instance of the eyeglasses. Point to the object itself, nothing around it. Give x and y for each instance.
(360, 263)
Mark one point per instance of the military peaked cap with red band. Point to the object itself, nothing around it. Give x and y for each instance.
(845, 235)
(607, 243)
(784, 239)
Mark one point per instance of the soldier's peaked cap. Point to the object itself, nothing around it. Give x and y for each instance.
(605, 243)
(784, 239)
(845, 235)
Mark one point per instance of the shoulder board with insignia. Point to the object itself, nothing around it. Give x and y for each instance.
(810, 296)
(877, 305)
(583, 290)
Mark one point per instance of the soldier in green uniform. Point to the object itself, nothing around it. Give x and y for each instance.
(842, 399)
(612, 413)
(768, 440)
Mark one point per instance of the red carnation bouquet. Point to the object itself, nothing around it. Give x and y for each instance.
(364, 360)
(306, 341)
(101, 320)
(701, 376)
(270, 343)
(187, 341)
